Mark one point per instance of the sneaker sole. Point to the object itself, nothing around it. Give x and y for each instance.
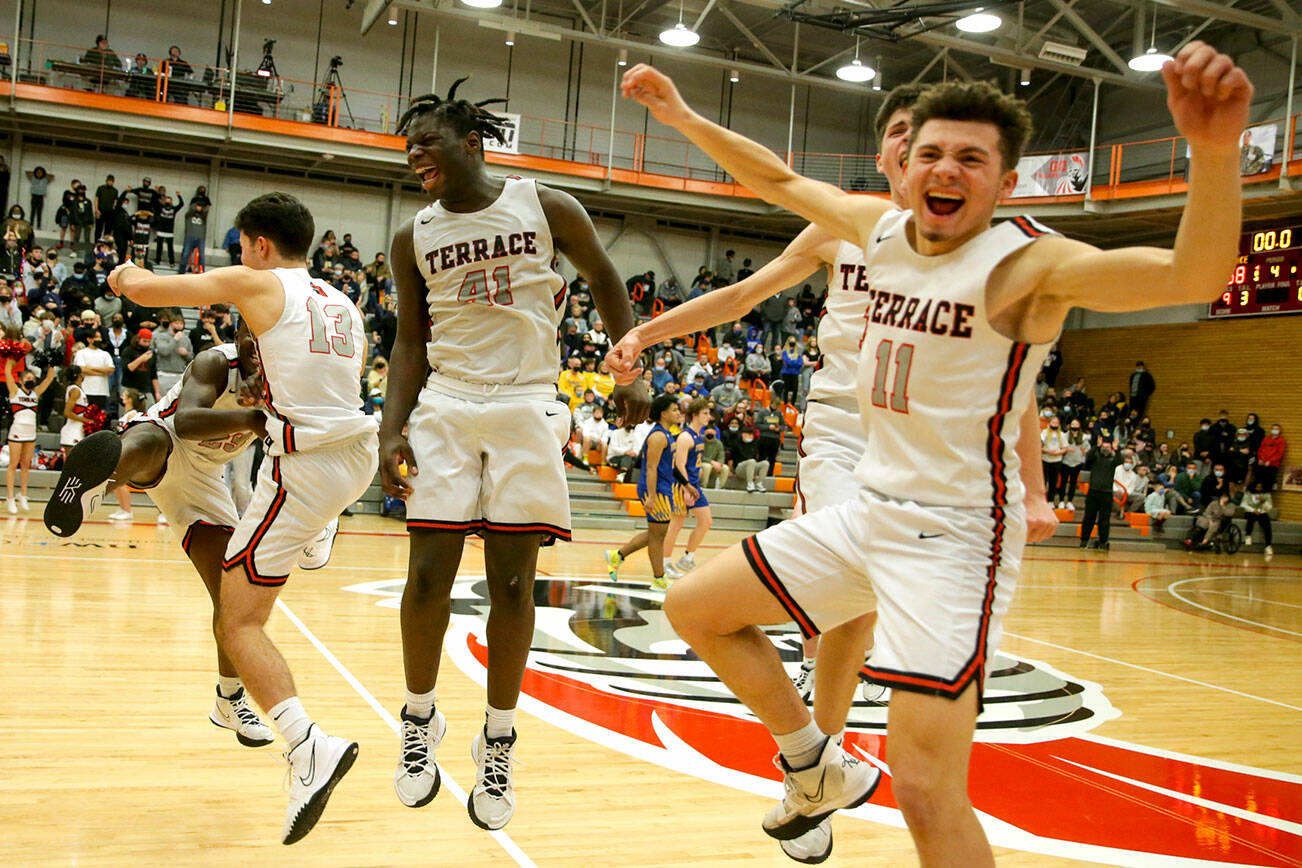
(89, 464)
(817, 859)
(470, 808)
(434, 791)
(316, 804)
(800, 824)
(239, 736)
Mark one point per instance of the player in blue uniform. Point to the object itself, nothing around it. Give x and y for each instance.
(687, 460)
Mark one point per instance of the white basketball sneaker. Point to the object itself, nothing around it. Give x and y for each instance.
(871, 691)
(837, 780)
(686, 563)
(492, 801)
(417, 779)
(316, 765)
(813, 847)
(804, 682)
(233, 713)
(317, 553)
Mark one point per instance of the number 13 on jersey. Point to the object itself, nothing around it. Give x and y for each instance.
(332, 329)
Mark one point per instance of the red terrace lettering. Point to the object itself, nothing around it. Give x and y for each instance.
(921, 315)
(481, 250)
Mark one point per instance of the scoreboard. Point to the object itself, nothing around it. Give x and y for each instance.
(1268, 276)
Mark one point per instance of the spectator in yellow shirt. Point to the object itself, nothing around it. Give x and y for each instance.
(571, 383)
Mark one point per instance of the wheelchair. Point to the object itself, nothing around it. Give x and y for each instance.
(1229, 540)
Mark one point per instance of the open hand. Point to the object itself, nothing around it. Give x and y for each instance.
(1208, 96)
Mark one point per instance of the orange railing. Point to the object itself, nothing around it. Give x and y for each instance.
(1122, 170)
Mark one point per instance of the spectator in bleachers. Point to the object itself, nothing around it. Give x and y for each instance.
(141, 82)
(793, 362)
(1187, 489)
(1255, 432)
(746, 463)
(660, 375)
(1214, 485)
(583, 412)
(1142, 386)
(598, 336)
(1204, 445)
(231, 243)
(22, 229)
(570, 383)
(726, 395)
(622, 449)
(745, 271)
(714, 461)
(96, 366)
(1257, 505)
(668, 293)
(106, 199)
(1078, 449)
(697, 387)
(757, 365)
(1104, 427)
(1053, 447)
(11, 317)
(1155, 507)
(770, 424)
(642, 289)
(101, 55)
(726, 268)
(1134, 479)
(1269, 457)
(773, 312)
(1224, 431)
(63, 214)
(1161, 464)
(595, 432)
(164, 225)
(1239, 462)
(177, 68)
(82, 215)
(1209, 522)
(38, 181)
(196, 233)
(700, 366)
(11, 254)
(140, 367)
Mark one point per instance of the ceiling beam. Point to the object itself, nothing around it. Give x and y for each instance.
(754, 40)
(935, 58)
(1030, 61)
(701, 17)
(371, 14)
(1290, 24)
(1090, 34)
(584, 14)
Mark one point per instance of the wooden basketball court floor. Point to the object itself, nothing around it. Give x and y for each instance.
(1145, 710)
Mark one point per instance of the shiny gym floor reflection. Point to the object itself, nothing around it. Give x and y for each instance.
(1144, 709)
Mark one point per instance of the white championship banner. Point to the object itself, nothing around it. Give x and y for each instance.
(512, 131)
(1052, 175)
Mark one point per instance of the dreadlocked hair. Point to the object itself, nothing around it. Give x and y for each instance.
(464, 116)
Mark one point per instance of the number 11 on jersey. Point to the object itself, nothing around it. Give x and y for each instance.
(899, 399)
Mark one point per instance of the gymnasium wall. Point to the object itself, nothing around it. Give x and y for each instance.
(1243, 366)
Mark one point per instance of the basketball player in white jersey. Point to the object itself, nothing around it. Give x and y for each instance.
(176, 452)
(833, 435)
(473, 378)
(320, 457)
(961, 315)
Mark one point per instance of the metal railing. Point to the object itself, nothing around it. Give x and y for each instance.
(1149, 167)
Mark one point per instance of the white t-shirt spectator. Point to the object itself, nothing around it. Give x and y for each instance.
(640, 433)
(624, 442)
(596, 429)
(89, 357)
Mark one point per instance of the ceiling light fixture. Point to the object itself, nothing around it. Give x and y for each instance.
(393, 17)
(1151, 60)
(623, 57)
(1026, 76)
(483, 4)
(855, 70)
(679, 36)
(510, 37)
(979, 21)
(877, 79)
(734, 76)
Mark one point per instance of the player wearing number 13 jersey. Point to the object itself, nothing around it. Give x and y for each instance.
(474, 380)
(320, 457)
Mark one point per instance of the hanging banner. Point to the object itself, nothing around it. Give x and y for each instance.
(1051, 175)
(511, 129)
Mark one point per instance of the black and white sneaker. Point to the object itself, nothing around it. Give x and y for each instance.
(316, 764)
(81, 485)
(492, 801)
(813, 847)
(416, 780)
(233, 713)
(804, 682)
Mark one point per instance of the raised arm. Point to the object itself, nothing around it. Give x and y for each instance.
(258, 293)
(810, 250)
(755, 166)
(9, 377)
(1209, 98)
(205, 381)
(407, 365)
(45, 381)
(574, 235)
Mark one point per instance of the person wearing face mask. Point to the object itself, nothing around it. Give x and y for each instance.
(1133, 478)
(1215, 484)
(1053, 446)
(1104, 427)
(1239, 461)
(1155, 507)
(744, 457)
(24, 396)
(1269, 457)
(1224, 431)
(96, 365)
(1210, 522)
(1204, 445)
(1255, 432)
(660, 375)
(118, 336)
(714, 461)
(1257, 505)
(11, 317)
(1187, 489)
(1102, 466)
(1077, 451)
(22, 229)
(1142, 386)
(172, 348)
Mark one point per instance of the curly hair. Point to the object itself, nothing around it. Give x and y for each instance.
(464, 116)
(902, 97)
(977, 101)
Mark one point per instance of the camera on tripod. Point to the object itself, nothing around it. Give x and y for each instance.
(336, 62)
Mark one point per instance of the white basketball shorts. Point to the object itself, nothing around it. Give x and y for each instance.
(831, 443)
(295, 497)
(490, 465)
(941, 577)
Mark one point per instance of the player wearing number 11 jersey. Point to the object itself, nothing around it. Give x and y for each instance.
(320, 457)
(474, 380)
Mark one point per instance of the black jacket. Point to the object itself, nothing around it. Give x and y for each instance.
(1102, 468)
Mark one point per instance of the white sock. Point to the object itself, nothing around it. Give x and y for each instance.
(228, 686)
(802, 747)
(420, 704)
(808, 663)
(291, 720)
(499, 722)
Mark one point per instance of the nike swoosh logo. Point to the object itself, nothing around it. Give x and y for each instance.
(929, 535)
(881, 238)
(311, 771)
(426, 220)
(550, 414)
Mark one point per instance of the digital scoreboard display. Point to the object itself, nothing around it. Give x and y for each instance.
(1268, 276)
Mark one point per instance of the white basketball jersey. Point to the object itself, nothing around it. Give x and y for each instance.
(840, 326)
(312, 365)
(941, 391)
(217, 450)
(495, 304)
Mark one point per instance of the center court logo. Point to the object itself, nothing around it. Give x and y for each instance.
(606, 666)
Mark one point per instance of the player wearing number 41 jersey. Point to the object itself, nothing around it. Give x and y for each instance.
(320, 457)
(938, 533)
(474, 380)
